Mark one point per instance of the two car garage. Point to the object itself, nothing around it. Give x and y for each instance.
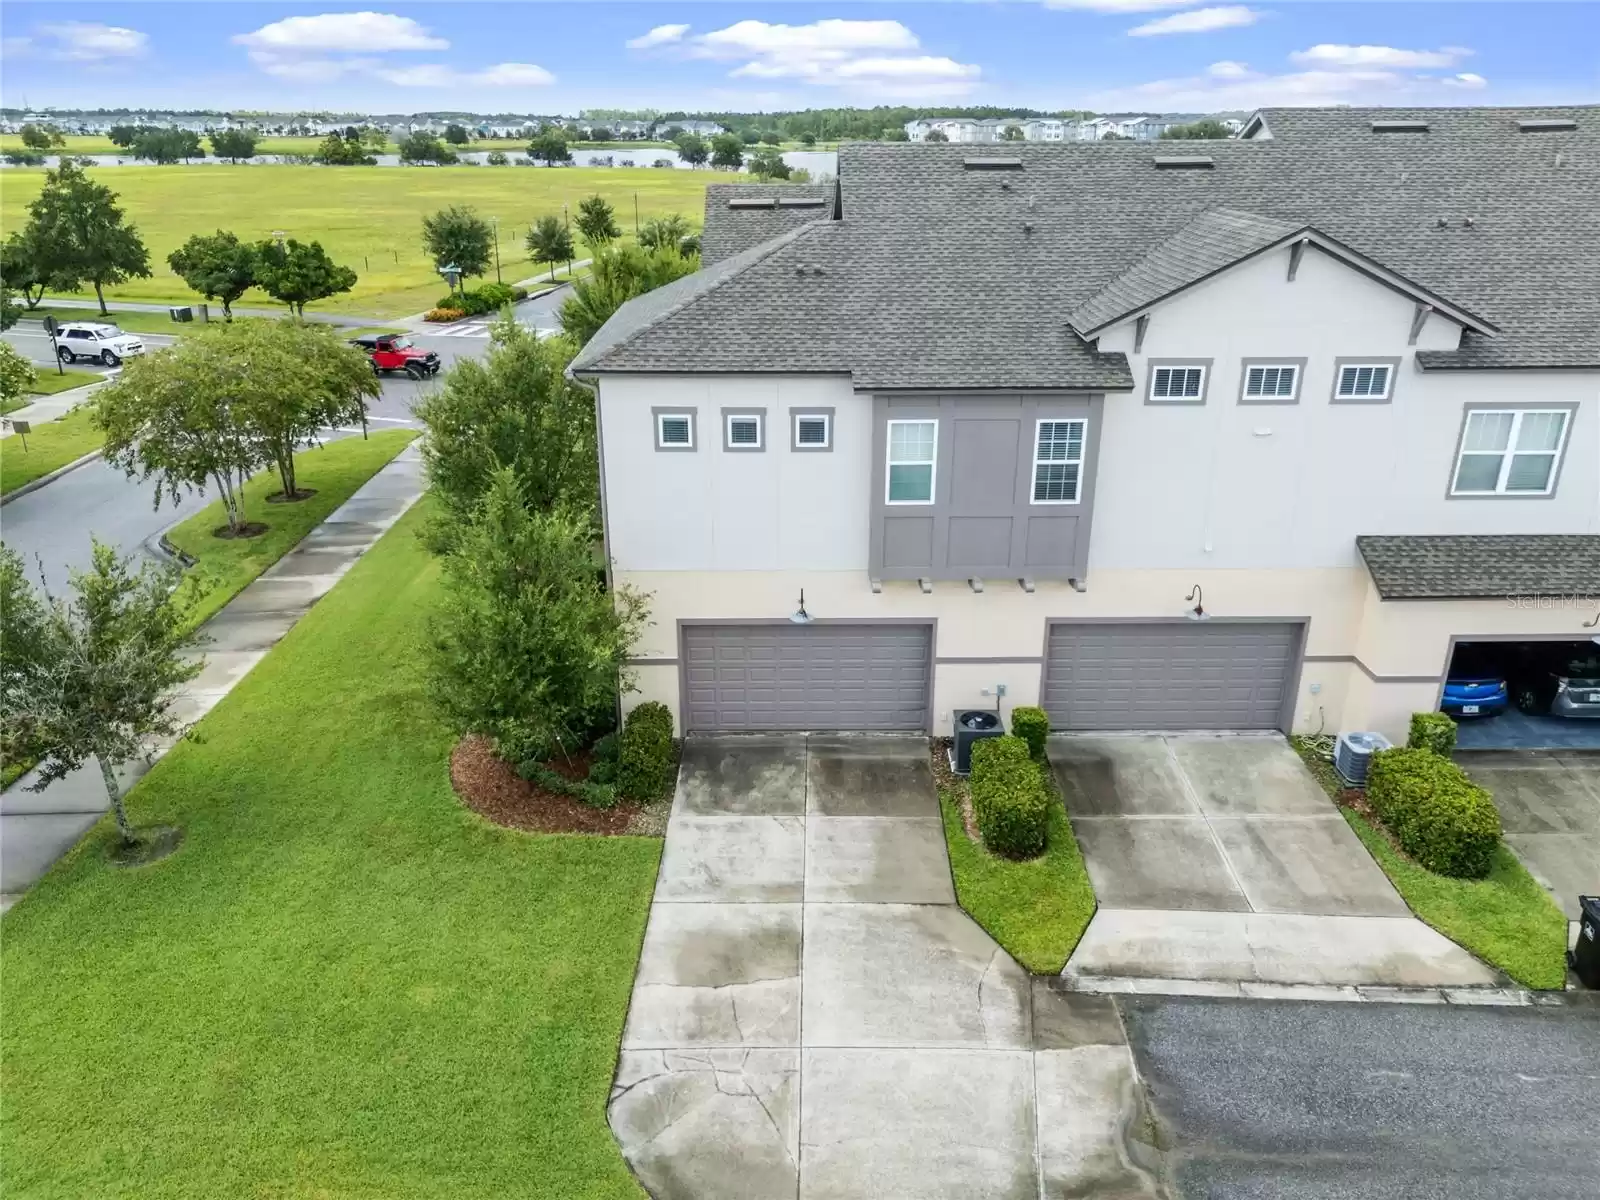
(1097, 675)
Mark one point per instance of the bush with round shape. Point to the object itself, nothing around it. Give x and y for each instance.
(1009, 798)
(1440, 817)
(647, 760)
(443, 315)
(1432, 731)
(1030, 723)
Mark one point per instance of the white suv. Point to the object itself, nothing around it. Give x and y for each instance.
(103, 343)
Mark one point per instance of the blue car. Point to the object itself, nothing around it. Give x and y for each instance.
(1475, 686)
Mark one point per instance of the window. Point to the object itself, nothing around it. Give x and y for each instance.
(912, 447)
(743, 431)
(1270, 383)
(1058, 462)
(813, 430)
(1363, 381)
(674, 430)
(1178, 383)
(1510, 452)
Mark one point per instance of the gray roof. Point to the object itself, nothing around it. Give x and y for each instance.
(1303, 124)
(936, 276)
(733, 224)
(1491, 566)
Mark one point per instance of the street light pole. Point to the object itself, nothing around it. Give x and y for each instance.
(496, 222)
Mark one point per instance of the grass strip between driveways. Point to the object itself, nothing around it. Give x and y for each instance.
(343, 983)
(226, 565)
(52, 444)
(1506, 918)
(1038, 909)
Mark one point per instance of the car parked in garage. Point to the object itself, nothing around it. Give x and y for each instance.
(1559, 678)
(1475, 685)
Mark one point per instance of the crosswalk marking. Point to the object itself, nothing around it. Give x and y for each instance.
(467, 329)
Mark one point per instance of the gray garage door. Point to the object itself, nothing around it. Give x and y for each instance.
(806, 677)
(1200, 675)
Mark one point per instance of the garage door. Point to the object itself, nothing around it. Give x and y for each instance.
(1194, 675)
(806, 677)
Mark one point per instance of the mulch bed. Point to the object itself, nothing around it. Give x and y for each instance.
(491, 787)
(299, 495)
(249, 529)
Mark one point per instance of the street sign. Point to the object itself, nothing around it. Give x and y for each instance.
(22, 429)
(50, 325)
(51, 328)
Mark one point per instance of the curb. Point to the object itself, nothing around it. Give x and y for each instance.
(1455, 997)
(33, 485)
(182, 557)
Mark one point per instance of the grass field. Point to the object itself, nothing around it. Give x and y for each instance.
(51, 381)
(344, 984)
(128, 322)
(368, 218)
(226, 566)
(103, 145)
(52, 444)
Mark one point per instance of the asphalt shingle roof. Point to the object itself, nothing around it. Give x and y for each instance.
(939, 276)
(732, 226)
(1486, 566)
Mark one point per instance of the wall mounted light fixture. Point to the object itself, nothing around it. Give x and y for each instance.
(1593, 621)
(1198, 612)
(800, 616)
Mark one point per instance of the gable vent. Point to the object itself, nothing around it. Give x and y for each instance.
(753, 202)
(1399, 127)
(802, 201)
(991, 164)
(1550, 125)
(1185, 162)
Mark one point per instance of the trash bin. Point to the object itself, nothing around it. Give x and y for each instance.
(971, 727)
(1585, 955)
(181, 314)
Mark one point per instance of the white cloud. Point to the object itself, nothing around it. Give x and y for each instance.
(367, 32)
(661, 35)
(86, 41)
(1467, 80)
(1233, 85)
(1332, 55)
(872, 58)
(1118, 6)
(1199, 20)
(821, 40)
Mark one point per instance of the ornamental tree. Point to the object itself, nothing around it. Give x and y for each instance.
(549, 240)
(299, 273)
(234, 144)
(597, 221)
(217, 265)
(80, 234)
(458, 235)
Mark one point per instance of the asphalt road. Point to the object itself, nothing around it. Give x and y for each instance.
(28, 338)
(1306, 1101)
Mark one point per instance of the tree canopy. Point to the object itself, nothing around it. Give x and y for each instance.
(456, 135)
(767, 163)
(1207, 129)
(692, 149)
(425, 148)
(81, 236)
(550, 241)
(617, 275)
(168, 145)
(550, 147)
(20, 266)
(337, 151)
(41, 137)
(17, 375)
(299, 273)
(597, 221)
(666, 232)
(234, 144)
(458, 236)
(727, 151)
(217, 265)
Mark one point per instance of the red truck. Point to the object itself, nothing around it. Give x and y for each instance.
(396, 352)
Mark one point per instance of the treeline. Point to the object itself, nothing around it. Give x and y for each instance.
(883, 123)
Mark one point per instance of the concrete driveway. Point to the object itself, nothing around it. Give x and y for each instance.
(814, 1016)
(1549, 802)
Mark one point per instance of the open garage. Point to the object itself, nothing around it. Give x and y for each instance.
(1512, 693)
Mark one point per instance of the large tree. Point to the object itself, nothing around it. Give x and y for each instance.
(692, 148)
(299, 273)
(727, 150)
(425, 148)
(458, 236)
(234, 144)
(549, 240)
(336, 151)
(1203, 130)
(102, 674)
(617, 275)
(168, 145)
(597, 221)
(81, 234)
(767, 163)
(550, 147)
(123, 135)
(515, 408)
(456, 135)
(217, 265)
(20, 267)
(41, 137)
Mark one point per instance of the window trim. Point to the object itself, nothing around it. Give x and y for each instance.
(889, 462)
(730, 415)
(1373, 360)
(799, 414)
(1245, 366)
(657, 415)
(1569, 409)
(1083, 453)
(1205, 365)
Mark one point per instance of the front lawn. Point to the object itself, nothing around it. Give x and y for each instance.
(1506, 919)
(226, 565)
(1038, 909)
(51, 380)
(343, 984)
(52, 444)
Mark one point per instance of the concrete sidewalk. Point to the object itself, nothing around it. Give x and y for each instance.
(38, 828)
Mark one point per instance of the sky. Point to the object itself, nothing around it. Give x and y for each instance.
(1105, 55)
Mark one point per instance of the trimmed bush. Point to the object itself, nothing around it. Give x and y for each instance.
(1032, 726)
(1440, 817)
(1009, 798)
(1432, 731)
(591, 791)
(647, 761)
(444, 315)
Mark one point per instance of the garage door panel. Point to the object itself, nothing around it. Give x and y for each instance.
(1170, 676)
(774, 677)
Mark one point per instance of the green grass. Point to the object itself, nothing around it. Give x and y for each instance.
(1506, 919)
(100, 144)
(52, 444)
(226, 565)
(343, 984)
(129, 321)
(368, 218)
(1037, 909)
(51, 381)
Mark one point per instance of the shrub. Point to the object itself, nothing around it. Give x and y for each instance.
(1432, 731)
(1032, 726)
(647, 760)
(497, 158)
(1440, 817)
(1009, 798)
(593, 792)
(443, 314)
(493, 295)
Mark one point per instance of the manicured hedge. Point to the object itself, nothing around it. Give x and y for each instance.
(647, 763)
(1440, 817)
(1009, 798)
(485, 298)
(1032, 726)
(1432, 731)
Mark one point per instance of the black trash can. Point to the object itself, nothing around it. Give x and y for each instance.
(1585, 955)
(972, 726)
